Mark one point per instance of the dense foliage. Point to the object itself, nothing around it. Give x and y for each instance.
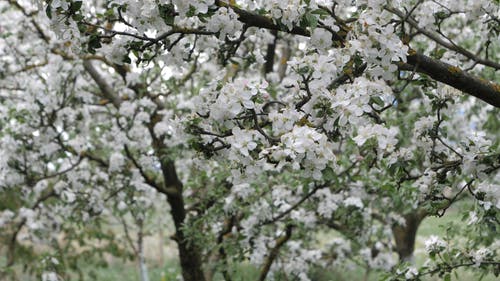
(254, 126)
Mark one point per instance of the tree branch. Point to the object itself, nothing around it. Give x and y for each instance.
(436, 38)
(11, 250)
(453, 76)
(256, 20)
(107, 91)
(271, 50)
(438, 70)
(274, 252)
(149, 179)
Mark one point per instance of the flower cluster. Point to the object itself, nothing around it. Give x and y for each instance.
(224, 22)
(435, 245)
(303, 148)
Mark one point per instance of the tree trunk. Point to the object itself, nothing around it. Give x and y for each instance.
(140, 251)
(172, 187)
(404, 236)
(189, 253)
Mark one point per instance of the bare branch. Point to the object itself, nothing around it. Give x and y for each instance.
(107, 91)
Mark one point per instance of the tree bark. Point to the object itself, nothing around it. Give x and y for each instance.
(404, 236)
(189, 253)
(455, 77)
(271, 52)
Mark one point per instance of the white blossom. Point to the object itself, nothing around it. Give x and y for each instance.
(481, 255)
(411, 273)
(434, 244)
(50, 276)
(116, 161)
(321, 39)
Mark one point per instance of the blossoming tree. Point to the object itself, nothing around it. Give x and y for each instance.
(260, 123)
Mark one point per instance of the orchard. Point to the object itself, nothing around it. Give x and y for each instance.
(291, 137)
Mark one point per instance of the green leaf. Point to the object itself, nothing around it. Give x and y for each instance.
(303, 70)
(109, 13)
(94, 43)
(441, 15)
(75, 7)
(167, 13)
(446, 257)
(48, 11)
(447, 277)
(329, 174)
(320, 12)
(438, 54)
(126, 59)
(309, 20)
(191, 12)
(377, 100)
(77, 17)
(135, 45)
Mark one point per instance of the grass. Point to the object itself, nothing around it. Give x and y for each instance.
(125, 272)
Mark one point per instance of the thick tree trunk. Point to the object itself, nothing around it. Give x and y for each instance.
(404, 236)
(172, 187)
(189, 254)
